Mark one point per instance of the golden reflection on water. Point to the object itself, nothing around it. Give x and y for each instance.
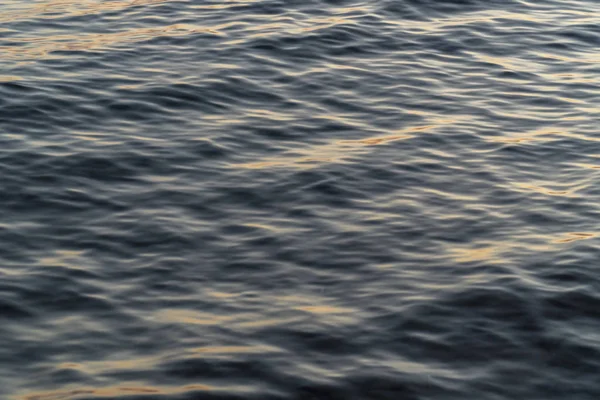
(230, 349)
(589, 166)
(191, 317)
(544, 134)
(341, 149)
(42, 47)
(312, 306)
(477, 254)
(9, 78)
(100, 367)
(63, 258)
(260, 322)
(324, 309)
(66, 8)
(115, 391)
(334, 151)
(134, 388)
(223, 295)
(495, 252)
(296, 309)
(570, 192)
(575, 236)
(537, 134)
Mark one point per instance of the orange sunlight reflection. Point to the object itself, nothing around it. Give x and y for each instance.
(114, 391)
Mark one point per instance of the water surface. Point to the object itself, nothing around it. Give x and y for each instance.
(260, 199)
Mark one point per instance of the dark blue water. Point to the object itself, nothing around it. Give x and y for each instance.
(300, 200)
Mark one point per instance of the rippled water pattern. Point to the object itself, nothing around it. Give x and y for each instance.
(300, 199)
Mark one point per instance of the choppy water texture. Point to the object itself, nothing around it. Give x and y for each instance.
(299, 199)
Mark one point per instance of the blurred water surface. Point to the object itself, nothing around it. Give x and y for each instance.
(316, 199)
